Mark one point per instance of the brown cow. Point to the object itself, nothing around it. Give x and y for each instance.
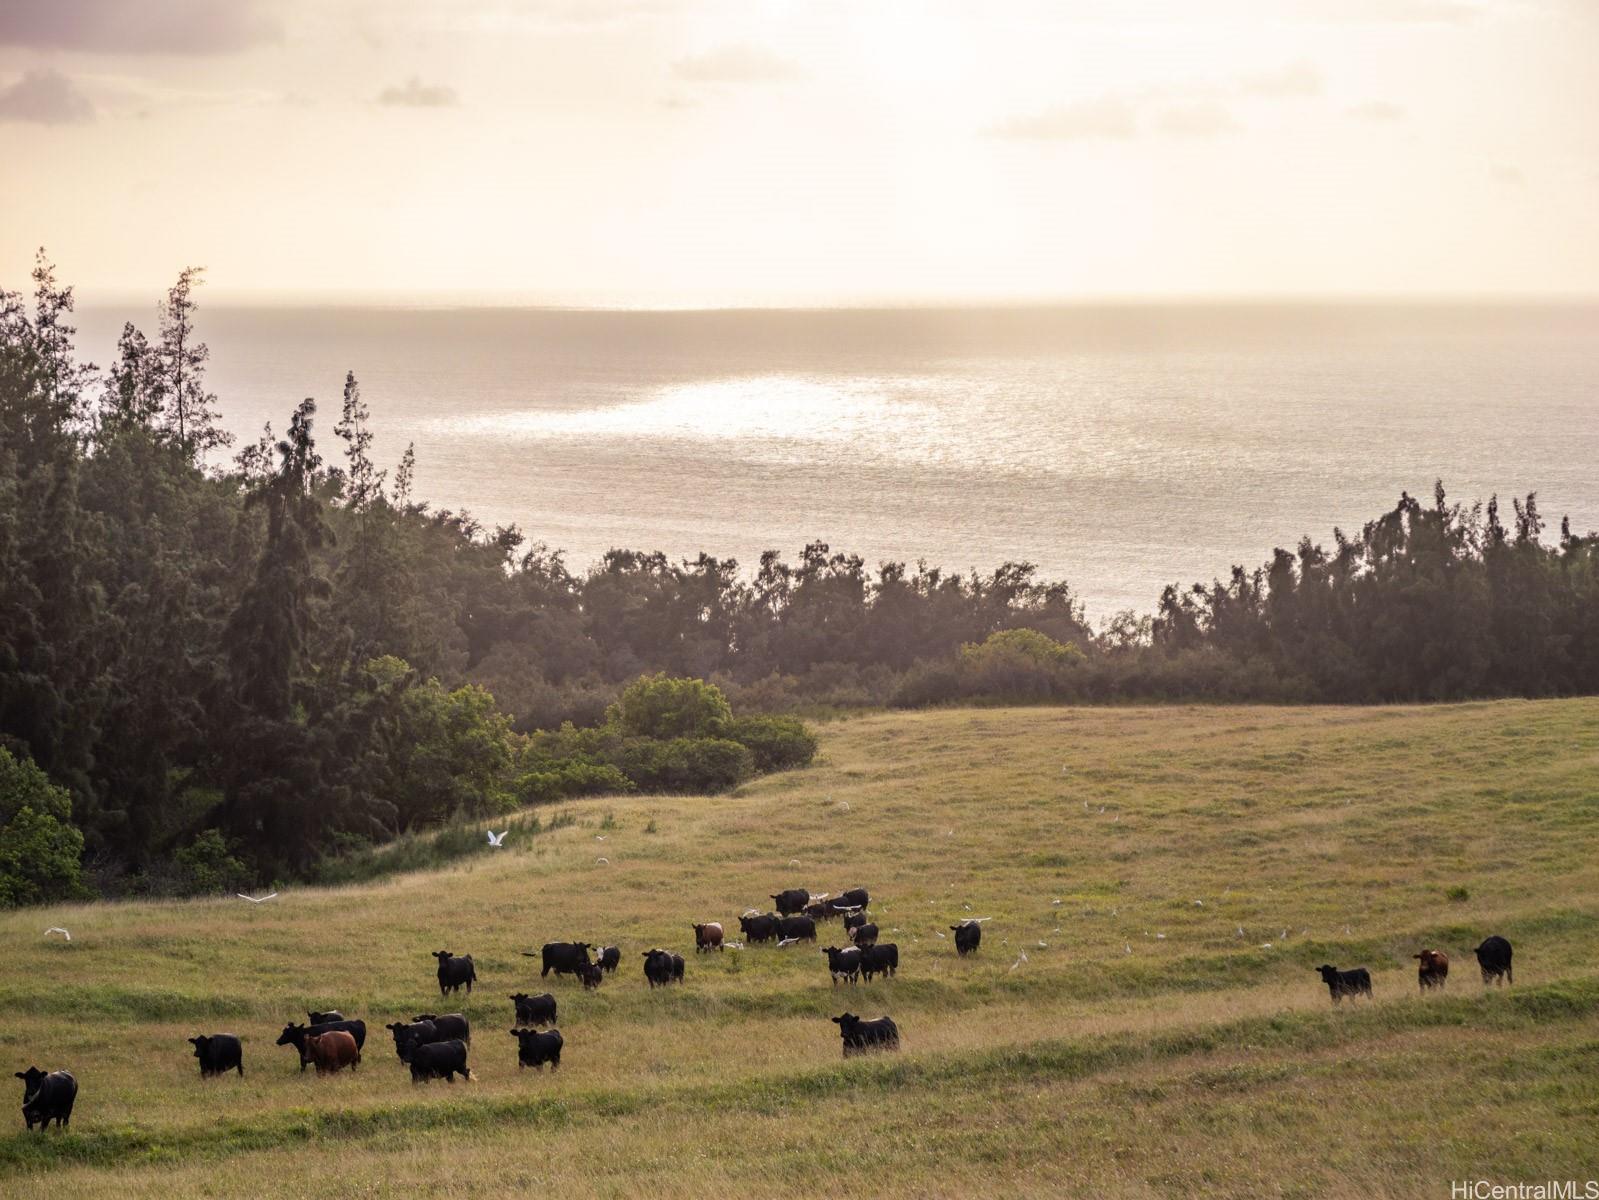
(1433, 969)
(333, 1051)
(708, 937)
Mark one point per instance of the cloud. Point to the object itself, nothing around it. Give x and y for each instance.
(1197, 120)
(146, 27)
(416, 94)
(1108, 117)
(739, 63)
(1507, 175)
(1298, 79)
(45, 98)
(1452, 12)
(1377, 110)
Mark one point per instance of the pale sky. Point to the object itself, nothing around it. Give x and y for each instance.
(687, 152)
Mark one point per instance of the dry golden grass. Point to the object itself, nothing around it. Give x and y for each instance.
(1114, 1061)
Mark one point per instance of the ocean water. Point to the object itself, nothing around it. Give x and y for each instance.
(1119, 448)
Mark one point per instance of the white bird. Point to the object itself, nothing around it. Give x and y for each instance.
(1101, 808)
(1160, 937)
(1085, 805)
(1283, 936)
(256, 899)
(1020, 959)
(1199, 903)
(751, 912)
(599, 837)
(58, 929)
(599, 861)
(1043, 945)
(1128, 946)
(940, 933)
(1265, 945)
(1116, 818)
(793, 862)
(787, 942)
(967, 907)
(949, 833)
(844, 804)
(1240, 931)
(496, 839)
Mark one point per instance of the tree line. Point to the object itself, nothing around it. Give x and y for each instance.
(244, 664)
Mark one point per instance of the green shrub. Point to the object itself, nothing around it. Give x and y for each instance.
(659, 706)
(40, 849)
(209, 866)
(778, 743)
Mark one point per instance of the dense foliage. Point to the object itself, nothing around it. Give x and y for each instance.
(235, 668)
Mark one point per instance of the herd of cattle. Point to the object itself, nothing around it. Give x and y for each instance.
(434, 1045)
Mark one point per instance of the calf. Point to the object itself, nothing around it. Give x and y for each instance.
(854, 920)
(863, 935)
(791, 900)
(333, 1051)
(1493, 956)
(875, 959)
(322, 1018)
(295, 1035)
(708, 937)
(844, 964)
(218, 1054)
(455, 971)
(860, 1036)
(609, 958)
(759, 928)
(800, 928)
(677, 967)
(819, 910)
(450, 1025)
(1432, 970)
(534, 1010)
(440, 1059)
(47, 1097)
(564, 958)
(591, 975)
(1354, 982)
(657, 968)
(408, 1036)
(534, 1049)
(968, 936)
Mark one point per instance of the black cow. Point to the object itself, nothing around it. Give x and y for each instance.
(968, 936)
(455, 970)
(792, 900)
(218, 1053)
(534, 1049)
(844, 964)
(860, 1036)
(47, 1097)
(449, 1025)
(1354, 982)
(855, 920)
(591, 975)
(875, 959)
(657, 968)
(762, 928)
(322, 1018)
(409, 1035)
(854, 898)
(436, 1059)
(295, 1035)
(820, 911)
(609, 958)
(863, 935)
(677, 968)
(564, 958)
(803, 928)
(1493, 956)
(534, 1010)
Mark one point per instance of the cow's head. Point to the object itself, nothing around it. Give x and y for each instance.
(201, 1045)
(292, 1035)
(31, 1079)
(847, 1022)
(443, 956)
(1328, 974)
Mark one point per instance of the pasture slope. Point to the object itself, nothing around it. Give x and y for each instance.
(1148, 1049)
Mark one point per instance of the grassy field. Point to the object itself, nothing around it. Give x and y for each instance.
(1173, 875)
